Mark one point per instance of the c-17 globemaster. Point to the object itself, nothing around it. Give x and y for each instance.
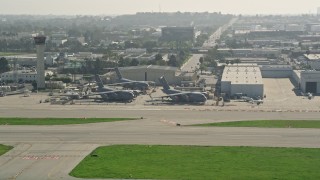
(109, 94)
(130, 84)
(181, 96)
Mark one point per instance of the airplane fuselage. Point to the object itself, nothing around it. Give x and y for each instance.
(192, 97)
(141, 85)
(116, 95)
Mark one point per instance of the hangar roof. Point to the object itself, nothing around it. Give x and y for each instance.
(149, 67)
(242, 74)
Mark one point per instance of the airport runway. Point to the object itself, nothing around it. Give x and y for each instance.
(51, 152)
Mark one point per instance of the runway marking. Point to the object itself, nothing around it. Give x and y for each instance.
(248, 135)
(41, 158)
(30, 145)
(63, 162)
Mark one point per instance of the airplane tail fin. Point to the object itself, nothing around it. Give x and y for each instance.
(118, 72)
(98, 80)
(164, 83)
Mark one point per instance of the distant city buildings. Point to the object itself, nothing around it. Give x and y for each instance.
(178, 34)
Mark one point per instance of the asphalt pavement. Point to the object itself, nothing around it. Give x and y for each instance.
(51, 152)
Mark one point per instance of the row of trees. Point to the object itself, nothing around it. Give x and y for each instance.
(211, 59)
(4, 65)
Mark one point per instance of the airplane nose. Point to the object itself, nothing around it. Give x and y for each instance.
(204, 98)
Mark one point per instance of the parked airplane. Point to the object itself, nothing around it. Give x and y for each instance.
(72, 95)
(9, 93)
(251, 100)
(109, 94)
(256, 101)
(246, 98)
(130, 84)
(181, 96)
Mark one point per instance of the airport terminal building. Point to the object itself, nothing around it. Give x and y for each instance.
(242, 78)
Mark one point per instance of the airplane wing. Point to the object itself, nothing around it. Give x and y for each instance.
(99, 93)
(131, 82)
(178, 94)
(122, 83)
(173, 96)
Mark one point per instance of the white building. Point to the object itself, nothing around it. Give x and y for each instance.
(242, 78)
(20, 75)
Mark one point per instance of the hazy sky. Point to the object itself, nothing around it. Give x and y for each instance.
(73, 7)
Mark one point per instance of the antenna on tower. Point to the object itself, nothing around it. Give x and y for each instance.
(160, 8)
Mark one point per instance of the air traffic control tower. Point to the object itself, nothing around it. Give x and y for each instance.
(40, 45)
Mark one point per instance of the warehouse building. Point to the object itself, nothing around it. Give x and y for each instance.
(242, 79)
(146, 73)
(276, 71)
(310, 81)
(152, 73)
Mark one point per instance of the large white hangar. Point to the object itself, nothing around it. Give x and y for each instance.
(242, 78)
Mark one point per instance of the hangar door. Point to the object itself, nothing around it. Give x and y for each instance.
(311, 87)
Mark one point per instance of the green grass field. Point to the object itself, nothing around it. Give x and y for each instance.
(4, 149)
(195, 162)
(57, 121)
(11, 53)
(267, 124)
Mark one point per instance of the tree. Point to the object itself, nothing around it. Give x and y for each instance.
(149, 45)
(34, 85)
(202, 67)
(161, 63)
(87, 66)
(237, 61)
(4, 65)
(123, 62)
(158, 57)
(134, 62)
(173, 61)
(201, 60)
